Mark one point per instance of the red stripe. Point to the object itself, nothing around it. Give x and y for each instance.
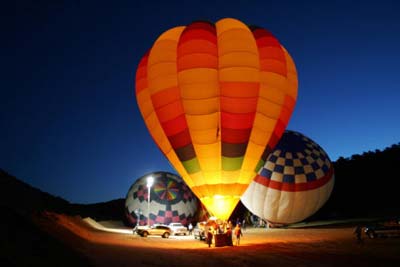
(294, 187)
(197, 34)
(201, 25)
(180, 139)
(235, 136)
(174, 126)
(260, 32)
(237, 121)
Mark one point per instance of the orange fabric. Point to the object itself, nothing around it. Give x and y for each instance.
(166, 96)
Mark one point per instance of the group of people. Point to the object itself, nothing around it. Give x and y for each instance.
(225, 229)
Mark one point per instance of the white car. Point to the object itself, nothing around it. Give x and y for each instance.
(178, 229)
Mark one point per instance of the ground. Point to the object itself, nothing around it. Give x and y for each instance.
(107, 246)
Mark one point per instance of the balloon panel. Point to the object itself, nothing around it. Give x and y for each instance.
(216, 98)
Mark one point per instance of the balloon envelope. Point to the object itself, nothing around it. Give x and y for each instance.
(216, 98)
(171, 200)
(296, 180)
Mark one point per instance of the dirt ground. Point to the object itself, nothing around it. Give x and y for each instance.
(258, 247)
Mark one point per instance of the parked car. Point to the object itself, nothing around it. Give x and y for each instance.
(178, 229)
(160, 230)
(383, 230)
(199, 231)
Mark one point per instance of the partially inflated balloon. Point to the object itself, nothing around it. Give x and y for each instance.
(216, 98)
(170, 200)
(294, 183)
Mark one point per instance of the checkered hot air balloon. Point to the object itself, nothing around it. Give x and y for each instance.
(171, 200)
(296, 180)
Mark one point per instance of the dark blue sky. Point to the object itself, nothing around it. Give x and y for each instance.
(69, 120)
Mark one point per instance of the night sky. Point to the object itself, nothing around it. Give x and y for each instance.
(70, 124)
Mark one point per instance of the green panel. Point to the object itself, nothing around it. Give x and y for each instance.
(191, 166)
(232, 164)
(260, 164)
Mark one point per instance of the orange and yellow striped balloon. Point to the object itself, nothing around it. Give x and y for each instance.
(216, 99)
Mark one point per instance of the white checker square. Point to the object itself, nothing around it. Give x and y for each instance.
(276, 153)
(270, 166)
(280, 161)
(320, 162)
(308, 169)
(300, 178)
(276, 176)
(319, 173)
(297, 163)
(309, 159)
(288, 170)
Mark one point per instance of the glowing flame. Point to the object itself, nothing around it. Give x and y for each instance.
(220, 206)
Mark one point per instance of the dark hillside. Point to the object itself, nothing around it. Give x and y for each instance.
(366, 185)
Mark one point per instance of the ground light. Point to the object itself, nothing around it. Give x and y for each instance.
(150, 181)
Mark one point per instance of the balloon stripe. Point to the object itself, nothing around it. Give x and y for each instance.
(197, 63)
(294, 187)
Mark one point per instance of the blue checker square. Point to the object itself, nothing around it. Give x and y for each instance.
(288, 178)
(311, 177)
(304, 161)
(325, 168)
(299, 170)
(266, 173)
(283, 154)
(278, 168)
(315, 166)
(288, 162)
(273, 158)
(322, 156)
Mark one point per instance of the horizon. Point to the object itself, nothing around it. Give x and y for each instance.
(174, 172)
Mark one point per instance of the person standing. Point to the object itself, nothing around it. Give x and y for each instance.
(190, 227)
(209, 237)
(358, 232)
(238, 234)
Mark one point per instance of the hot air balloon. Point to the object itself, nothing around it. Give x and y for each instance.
(216, 98)
(171, 200)
(296, 180)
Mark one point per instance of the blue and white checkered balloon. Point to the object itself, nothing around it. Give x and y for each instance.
(295, 181)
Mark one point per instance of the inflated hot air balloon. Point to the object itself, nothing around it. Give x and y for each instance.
(296, 180)
(216, 98)
(171, 200)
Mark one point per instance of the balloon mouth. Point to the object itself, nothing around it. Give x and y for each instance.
(220, 206)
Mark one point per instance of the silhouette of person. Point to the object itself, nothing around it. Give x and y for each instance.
(358, 232)
(209, 237)
(229, 236)
(238, 234)
(190, 228)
